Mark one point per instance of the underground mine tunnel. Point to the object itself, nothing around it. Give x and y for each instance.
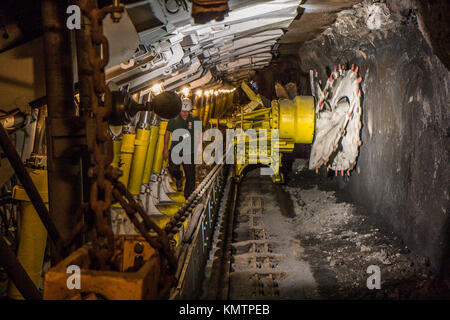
(224, 150)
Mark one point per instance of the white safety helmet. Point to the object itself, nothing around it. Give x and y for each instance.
(186, 104)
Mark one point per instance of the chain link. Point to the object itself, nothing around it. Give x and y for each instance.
(175, 223)
(101, 197)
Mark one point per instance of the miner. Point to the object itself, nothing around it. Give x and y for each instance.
(190, 131)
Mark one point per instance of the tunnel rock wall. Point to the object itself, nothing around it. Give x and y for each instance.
(402, 173)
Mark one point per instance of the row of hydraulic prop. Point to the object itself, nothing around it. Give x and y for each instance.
(138, 153)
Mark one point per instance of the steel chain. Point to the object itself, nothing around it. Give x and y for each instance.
(101, 197)
(106, 189)
(175, 223)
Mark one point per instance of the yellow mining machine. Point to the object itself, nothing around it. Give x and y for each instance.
(269, 132)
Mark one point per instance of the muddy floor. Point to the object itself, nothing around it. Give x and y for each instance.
(321, 246)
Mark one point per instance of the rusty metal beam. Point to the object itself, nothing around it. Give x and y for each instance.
(65, 132)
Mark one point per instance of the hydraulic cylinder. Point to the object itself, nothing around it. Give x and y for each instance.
(151, 150)
(205, 110)
(126, 153)
(140, 153)
(158, 159)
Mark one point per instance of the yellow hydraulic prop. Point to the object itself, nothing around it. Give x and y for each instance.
(207, 101)
(139, 159)
(214, 108)
(126, 154)
(208, 108)
(222, 104)
(117, 144)
(225, 100)
(166, 209)
(154, 134)
(32, 233)
(158, 159)
(198, 105)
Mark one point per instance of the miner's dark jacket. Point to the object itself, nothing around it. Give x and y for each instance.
(188, 124)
